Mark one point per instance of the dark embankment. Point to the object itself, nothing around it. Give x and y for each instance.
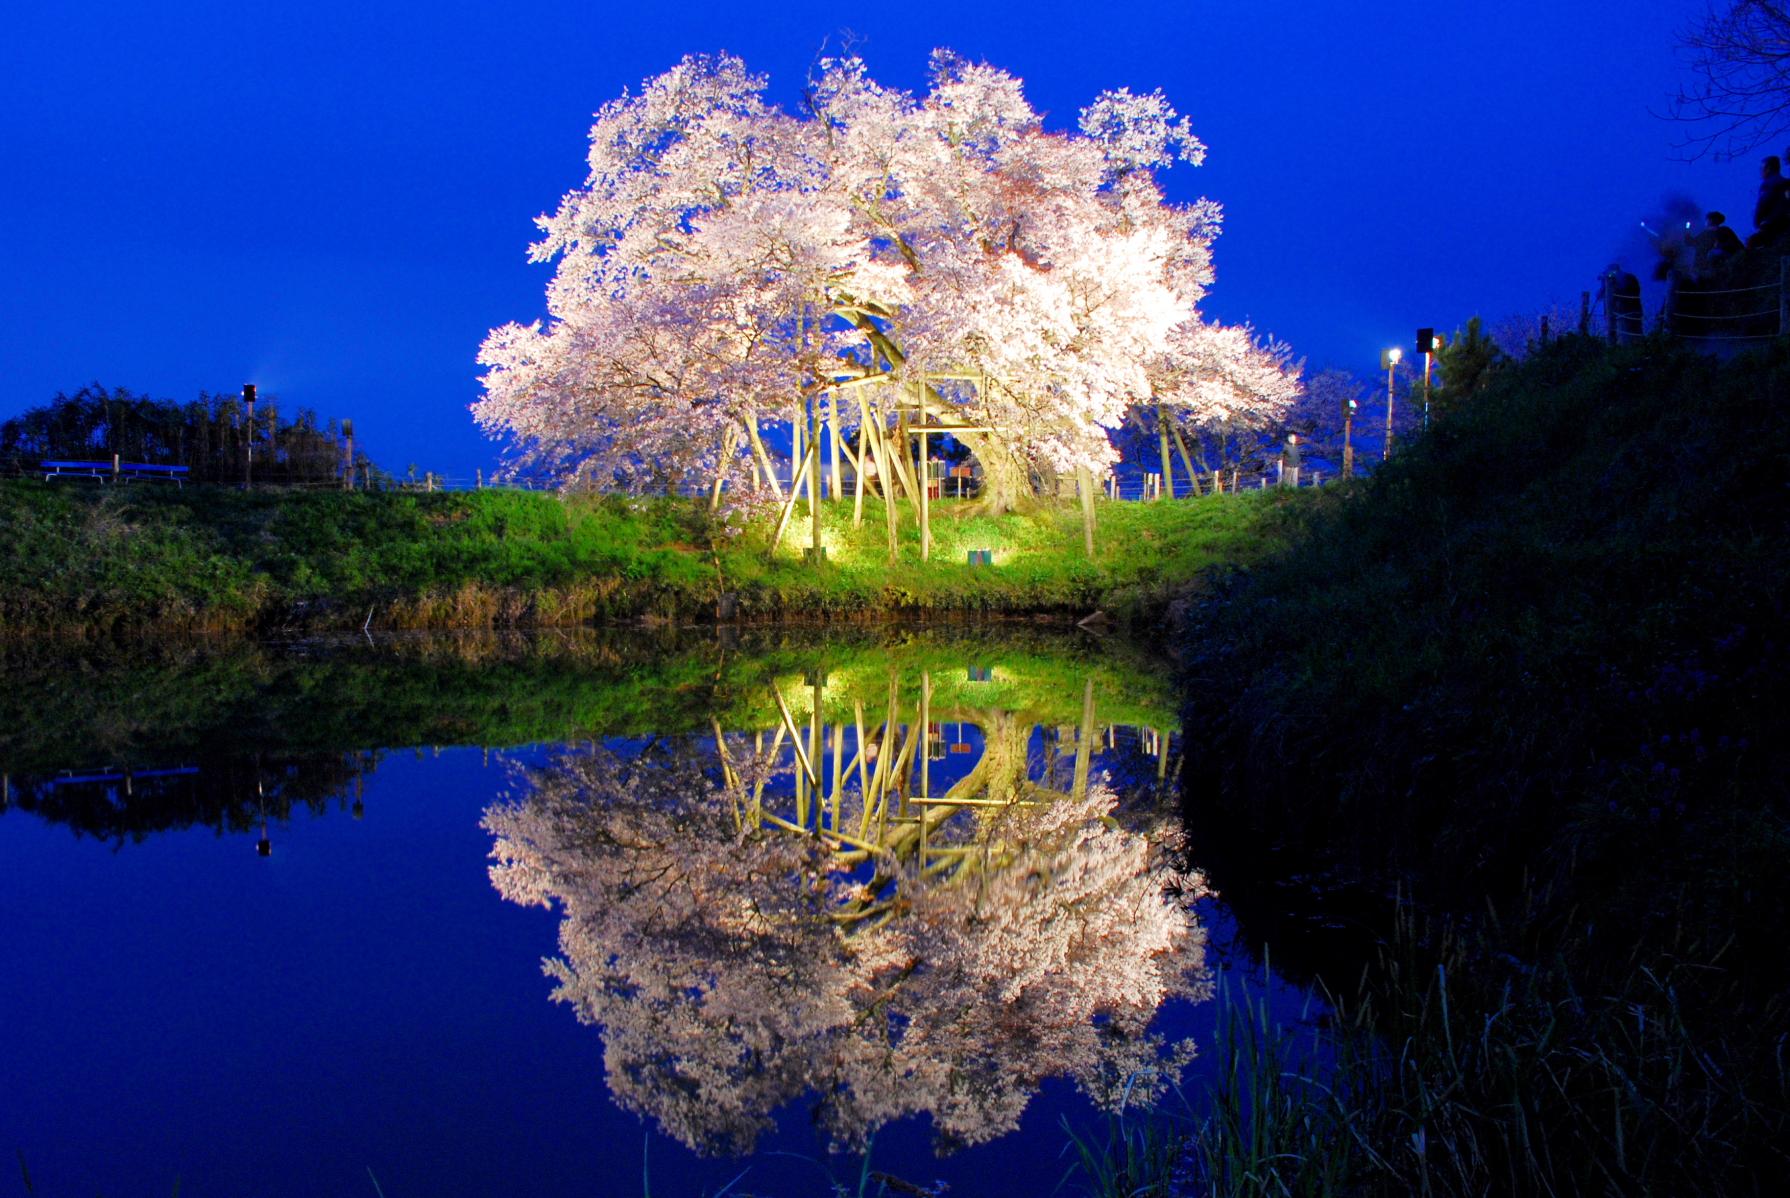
(76, 557)
(1533, 677)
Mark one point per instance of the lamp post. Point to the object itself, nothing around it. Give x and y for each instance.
(1427, 345)
(1348, 415)
(1389, 360)
(248, 452)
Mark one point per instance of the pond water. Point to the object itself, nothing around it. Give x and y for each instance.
(610, 914)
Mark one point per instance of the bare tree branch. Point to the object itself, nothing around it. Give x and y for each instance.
(1739, 58)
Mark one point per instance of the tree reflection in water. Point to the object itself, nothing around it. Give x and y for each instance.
(752, 922)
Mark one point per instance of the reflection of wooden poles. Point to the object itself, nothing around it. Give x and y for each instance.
(789, 725)
(926, 733)
(1084, 741)
(815, 745)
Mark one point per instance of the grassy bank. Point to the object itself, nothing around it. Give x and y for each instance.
(77, 557)
(1532, 676)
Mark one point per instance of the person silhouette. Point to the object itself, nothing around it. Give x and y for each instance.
(1771, 211)
(1622, 300)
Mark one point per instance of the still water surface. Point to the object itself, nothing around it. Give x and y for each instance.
(465, 915)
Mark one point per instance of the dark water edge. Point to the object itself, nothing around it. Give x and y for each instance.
(359, 997)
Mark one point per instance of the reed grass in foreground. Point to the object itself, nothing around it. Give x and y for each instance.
(1454, 1070)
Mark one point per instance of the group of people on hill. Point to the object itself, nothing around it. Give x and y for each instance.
(1713, 256)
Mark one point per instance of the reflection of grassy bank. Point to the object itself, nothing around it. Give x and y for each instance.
(82, 558)
(159, 702)
(1535, 673)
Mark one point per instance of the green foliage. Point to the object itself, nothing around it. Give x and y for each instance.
(210, 436)
(1468, 364)
(79, 557)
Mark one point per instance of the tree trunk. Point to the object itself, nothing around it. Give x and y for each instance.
(1006, 482)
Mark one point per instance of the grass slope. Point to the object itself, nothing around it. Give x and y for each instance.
(1534, 674)
(77, 557)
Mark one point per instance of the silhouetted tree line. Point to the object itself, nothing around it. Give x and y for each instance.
(226, 792)
(211, 436)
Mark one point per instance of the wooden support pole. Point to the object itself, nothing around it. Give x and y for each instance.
(727, 447)
(789, 505)
(1084, 486)
(795, 448)
(835, 487)
(857, 502)
(870, 434)
(1168, 469)
(761, 457)
(1193, 476)
(814, 488)
(925, 502)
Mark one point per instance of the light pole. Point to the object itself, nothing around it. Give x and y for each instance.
(1348, 415)
(1389, 360)
(1427, 345)
(248, 451)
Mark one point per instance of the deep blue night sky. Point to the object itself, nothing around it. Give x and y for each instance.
(334, 199)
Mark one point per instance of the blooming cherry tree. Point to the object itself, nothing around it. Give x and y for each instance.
(937, 263)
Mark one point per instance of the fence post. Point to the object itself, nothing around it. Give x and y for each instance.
(1783, 296)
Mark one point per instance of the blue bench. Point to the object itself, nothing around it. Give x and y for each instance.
(101, 471)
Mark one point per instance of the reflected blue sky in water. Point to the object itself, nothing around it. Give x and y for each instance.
(361, 998)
